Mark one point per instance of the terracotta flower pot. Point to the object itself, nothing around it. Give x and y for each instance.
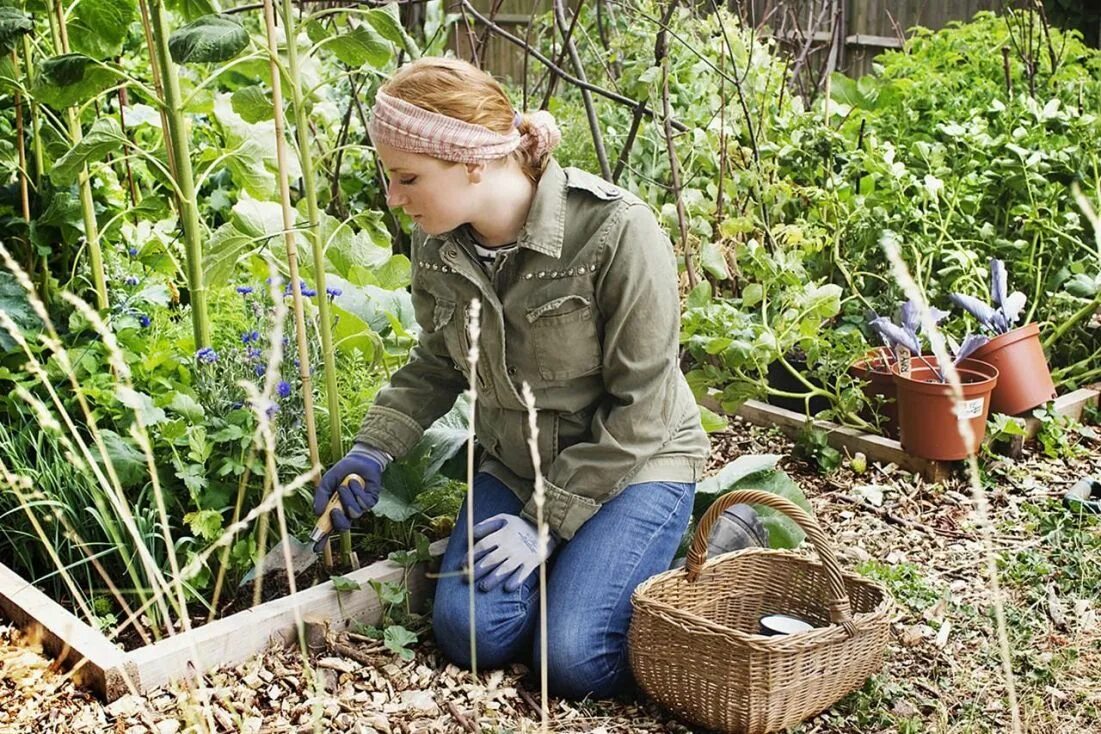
(874, 369)
(928, 423)
(1024, 381)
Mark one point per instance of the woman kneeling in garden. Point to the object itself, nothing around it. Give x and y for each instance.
(578, 291)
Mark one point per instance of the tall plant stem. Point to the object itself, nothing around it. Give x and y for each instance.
(185, 178)
(288, 234)
(60, 34)
(158, 84)
(313, 229)
(24, 188)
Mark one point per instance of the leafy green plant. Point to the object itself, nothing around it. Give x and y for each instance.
(812, 445)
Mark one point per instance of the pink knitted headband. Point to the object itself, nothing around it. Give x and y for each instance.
(412, 129)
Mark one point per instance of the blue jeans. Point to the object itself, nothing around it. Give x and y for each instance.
(589, 584)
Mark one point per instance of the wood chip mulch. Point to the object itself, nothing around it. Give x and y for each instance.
(942, 675)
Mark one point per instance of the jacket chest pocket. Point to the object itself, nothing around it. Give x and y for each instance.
(566, 338)
(447, 320)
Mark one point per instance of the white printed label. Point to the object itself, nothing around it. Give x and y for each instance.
(969, 409)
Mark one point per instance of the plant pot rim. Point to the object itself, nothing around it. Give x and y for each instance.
(1001, 341)
(987, 373)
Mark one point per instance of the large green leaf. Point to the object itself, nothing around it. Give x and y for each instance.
(127, 460)
(443, 439)
(359, 47)
(252, 104)
(250, 150)
(209, 39)
(401, 483)
(98, 28)
(70, 79)
(221, 253)
(104, 137)
(351, 332)
(742, 467)
(375, 306)
(13, 302)
(714, 262)
(13, 24)
(387, 22)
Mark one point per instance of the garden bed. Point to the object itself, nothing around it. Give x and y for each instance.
(112, 672)
(941, 673)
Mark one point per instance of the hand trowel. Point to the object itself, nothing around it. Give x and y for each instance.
(302, 555)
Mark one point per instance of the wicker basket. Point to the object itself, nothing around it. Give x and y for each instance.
(694, 642)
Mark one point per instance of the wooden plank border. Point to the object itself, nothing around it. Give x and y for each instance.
(876, 448)
(96, 663)
(111, 672)
(887, 450)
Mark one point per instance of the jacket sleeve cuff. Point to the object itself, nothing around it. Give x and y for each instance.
(389, 430)
(564, 512)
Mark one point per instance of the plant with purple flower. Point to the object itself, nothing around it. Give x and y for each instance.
(333, 292)
(1006, 311)
(131, 280)
(259, 369)
(133, 252)
(144, 320)
(206, 355)
(283, 389)
(244, 290)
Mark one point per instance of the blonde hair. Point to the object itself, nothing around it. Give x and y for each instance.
(458, 89)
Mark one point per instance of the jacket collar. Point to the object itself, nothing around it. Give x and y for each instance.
(546, 224)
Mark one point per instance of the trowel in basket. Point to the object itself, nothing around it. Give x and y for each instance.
(302, 555)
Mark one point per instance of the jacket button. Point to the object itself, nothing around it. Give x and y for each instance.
(512, 371)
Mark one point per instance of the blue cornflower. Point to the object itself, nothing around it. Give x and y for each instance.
(333, 291)
(309, 292)
(131, 280)
(144, 320)
(259, 370)
(283, 388)
(206, 355)
(250, 336)
(244, 290)
(133, 252)
(253, 353)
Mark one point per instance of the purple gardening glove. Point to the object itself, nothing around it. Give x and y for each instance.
(507, 551)
(358, 497)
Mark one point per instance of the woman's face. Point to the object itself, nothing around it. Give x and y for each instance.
(436, 194)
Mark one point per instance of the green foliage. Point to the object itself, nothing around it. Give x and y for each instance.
(105, 137)
(757, 472)
(14, 23)
(98, 28)
(70, 79)
(209, 39)
(812, 445)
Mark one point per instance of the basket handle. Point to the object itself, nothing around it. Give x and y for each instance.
(840, 608)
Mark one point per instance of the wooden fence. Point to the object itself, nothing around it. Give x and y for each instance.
(842, 35)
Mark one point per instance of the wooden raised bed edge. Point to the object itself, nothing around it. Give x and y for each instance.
(112, 672)
(887, 450)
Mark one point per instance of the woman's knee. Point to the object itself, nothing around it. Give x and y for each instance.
(579, 665)
(500, 630)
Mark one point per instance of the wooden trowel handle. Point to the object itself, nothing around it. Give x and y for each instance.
(324, 524)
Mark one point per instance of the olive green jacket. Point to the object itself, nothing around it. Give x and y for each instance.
(586, 311)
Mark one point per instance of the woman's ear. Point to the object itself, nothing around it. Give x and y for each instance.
(475, 172)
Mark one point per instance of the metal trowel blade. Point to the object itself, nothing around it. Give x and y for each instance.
(302, 557)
